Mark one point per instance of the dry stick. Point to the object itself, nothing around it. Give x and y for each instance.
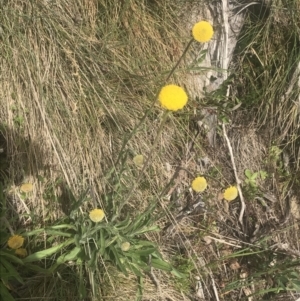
(225, 67)
(238, 182)
(214, 286)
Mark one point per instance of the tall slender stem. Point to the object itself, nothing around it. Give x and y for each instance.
(141, 173)
(133, 132)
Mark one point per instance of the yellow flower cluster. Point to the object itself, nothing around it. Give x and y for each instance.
(22, 252)
(15, 242)
(202, 31)
(199, 184)
(125, 246)
(27, 187)
(172, 97)
(97, 215)
(138, 160)
(230, 193)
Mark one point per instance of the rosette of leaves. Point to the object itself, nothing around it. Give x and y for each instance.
(90, 244)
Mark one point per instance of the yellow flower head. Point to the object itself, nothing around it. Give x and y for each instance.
(172, 97)
(21, 252)
(97, 215)
(199, 184)
(138, 160)
(28, 187)
(202, 31)
(15, 242)
(230, 193)
(125, 246)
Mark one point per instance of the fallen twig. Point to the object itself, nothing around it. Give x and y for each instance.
(214, 286)
(225, 67)
(238, 182)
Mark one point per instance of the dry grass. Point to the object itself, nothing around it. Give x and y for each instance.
(72, 82)
(77, 79)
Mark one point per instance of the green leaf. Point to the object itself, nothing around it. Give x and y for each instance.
(77, 204)
(140, 289)
(33, 232)
(4, 236)
(134, 268)
(51, 230)
(82, 289)
(4, 293)
(201, 56)
(143, 252)
(263, 175)
(101, 242)
(92, 263)
(69, 256)
(296, 284)
(294, 275)
(90, 232)
(111, 241)
(254, 176)
(36, 268)
(137, 243)
(248, 173)
(45, 253)
(5, 275)
(117, 261)
(145, 230)
(77, 240)
(12, 258)
(63, 226)
(178, 274)
(58, 233)
(140, 224)
(161, 264)
(123, 224)
(10, 272)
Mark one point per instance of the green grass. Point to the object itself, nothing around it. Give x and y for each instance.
(77, 80)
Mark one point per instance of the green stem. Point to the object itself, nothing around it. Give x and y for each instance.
(180, 59)
(134, 131)
(141, 173)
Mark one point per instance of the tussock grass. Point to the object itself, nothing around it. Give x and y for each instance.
(266, 80)
(269, 68)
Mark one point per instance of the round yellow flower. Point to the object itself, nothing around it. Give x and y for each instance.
(172, 97)
(27, 187)
(21, 252)
(15, 242)
(138, 160)
(125, 246)
(97, 215)
(199, 184)
(202, 31)
(230, 193)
